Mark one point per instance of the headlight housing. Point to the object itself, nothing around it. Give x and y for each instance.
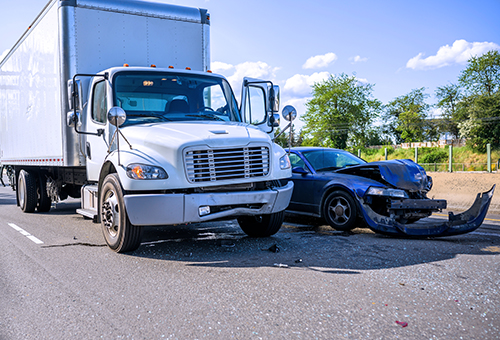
(285, 162)
(142, 171)
(397, 193)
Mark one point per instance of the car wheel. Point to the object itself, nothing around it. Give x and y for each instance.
(119, 233)
(340, 211)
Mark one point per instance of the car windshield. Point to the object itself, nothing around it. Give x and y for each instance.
(150, 97)
(325, 160)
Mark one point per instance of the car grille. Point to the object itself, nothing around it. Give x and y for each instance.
(206, 165)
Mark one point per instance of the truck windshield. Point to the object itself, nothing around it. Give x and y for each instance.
(150, 97)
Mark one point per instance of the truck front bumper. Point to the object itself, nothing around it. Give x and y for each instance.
(168, 209)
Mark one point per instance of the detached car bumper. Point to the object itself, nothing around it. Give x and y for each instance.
(462, 223)
(165, 209)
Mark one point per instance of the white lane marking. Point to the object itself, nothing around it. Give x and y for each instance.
(25, 233)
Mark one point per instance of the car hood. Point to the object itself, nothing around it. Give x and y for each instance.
(399, 173)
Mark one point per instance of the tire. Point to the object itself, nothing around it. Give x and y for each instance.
(119, 233)
(340, 211)
(44, 201)
(263, 225)
(26, 191)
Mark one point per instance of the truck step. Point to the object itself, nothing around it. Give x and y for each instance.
(89, 213)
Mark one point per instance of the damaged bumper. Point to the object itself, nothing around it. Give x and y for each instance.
(458, 224)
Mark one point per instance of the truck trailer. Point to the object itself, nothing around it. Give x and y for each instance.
(113, 102)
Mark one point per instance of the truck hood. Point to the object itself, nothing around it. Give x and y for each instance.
(175, 136)
(399, 173)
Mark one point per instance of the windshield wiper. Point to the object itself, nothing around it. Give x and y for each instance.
(206, 115)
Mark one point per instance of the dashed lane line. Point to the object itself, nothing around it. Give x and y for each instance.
(25, 233)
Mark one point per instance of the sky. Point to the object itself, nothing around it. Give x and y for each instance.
(396, 45)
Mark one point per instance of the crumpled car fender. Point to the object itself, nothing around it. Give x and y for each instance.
(462, 223)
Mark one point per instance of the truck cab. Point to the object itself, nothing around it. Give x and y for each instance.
(166, 146)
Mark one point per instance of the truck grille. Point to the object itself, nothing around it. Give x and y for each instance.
(224, 164)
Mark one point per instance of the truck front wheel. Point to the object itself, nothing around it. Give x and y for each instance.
(263, 225)
(119, 233)
(26, 191)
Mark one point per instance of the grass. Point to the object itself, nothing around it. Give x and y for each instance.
(464, 158)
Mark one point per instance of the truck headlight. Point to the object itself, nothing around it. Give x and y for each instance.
(142, 171)
(285, 162)
(387, 192)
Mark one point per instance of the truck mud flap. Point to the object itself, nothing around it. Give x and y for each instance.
(462, 223)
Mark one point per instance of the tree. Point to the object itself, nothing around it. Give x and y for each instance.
(449, 97)
(482, 75)
(480, 109)
(340, 112)
(405, 117)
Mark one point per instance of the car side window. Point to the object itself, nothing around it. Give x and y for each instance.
(297, 161)
(99, 103)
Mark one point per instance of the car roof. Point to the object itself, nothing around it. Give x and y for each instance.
(312, 148)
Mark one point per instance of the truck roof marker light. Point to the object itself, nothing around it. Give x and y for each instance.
(188, 68)
(209, 71)
(170, 66)
(153, 65)
(125, 65)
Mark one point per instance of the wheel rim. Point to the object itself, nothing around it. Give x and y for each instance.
(339, 210)
(111, 214)
(22, 191)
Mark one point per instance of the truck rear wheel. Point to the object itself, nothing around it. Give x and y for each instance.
(26, 191)
(263, 225)
(44, 201)
(119, 233)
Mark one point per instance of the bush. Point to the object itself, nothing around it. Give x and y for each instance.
(432, 155)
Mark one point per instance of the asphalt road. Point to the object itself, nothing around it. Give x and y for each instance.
(59, 281)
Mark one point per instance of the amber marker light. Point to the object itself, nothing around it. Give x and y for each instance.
(125, 65)
(170, 66)
(188, 68)
(153, 65)
(137, 170)
(209, 71)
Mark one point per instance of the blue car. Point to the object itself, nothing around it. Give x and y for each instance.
(390, 197)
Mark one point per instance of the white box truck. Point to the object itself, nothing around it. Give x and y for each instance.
(113, 102)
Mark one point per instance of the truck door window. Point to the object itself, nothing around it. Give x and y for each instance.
(255, 111)
(99, 103)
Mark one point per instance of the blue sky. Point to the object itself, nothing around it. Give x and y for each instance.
(396, 45)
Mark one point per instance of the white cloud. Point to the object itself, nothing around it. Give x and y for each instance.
(358, 59)
(458, 53)
(220, 67)
(300, 84)
(236, 73)
(320, 61)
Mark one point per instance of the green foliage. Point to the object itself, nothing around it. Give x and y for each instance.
(482, 75)
(405, 117)
(432, 155)
(340, 113)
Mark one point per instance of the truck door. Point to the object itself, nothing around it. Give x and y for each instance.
(96, 147)
(257, 106)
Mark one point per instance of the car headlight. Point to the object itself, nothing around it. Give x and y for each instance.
(387, 192)
(142, 171)
(285, 162)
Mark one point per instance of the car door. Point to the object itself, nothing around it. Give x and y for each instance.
(304, 198)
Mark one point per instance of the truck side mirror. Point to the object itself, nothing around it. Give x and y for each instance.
(75, 95)
(274, 98)
(289, 113)
(117, 116)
